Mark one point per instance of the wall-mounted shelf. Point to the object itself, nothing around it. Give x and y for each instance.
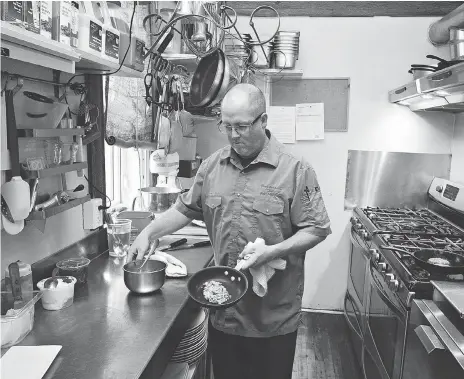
(278, 74)
(189, 61)
(22, 45)
(52, 211)
(49, 133)
(93, 63)
(202, 118)
(19, 44)
(45, 173)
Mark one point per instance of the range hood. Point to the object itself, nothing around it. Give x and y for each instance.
(439, 91)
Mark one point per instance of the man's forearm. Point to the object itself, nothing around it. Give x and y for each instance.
(297, 244)
(168, 222)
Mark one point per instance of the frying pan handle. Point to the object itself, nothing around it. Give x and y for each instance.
(437, 58)
(201, 244)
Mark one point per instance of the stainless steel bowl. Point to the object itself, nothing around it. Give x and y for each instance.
(288, 33)
(151, 278)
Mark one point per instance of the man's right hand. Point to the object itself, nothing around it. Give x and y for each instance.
(140, 246)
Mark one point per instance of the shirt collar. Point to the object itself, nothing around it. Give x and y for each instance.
(269, 154)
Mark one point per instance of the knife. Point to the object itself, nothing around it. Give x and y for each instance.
(13, 269)
(175, 244)
(192, 246)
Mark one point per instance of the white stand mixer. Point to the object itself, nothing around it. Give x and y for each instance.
(166, 166)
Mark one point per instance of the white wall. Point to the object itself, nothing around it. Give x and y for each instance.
(457, 163)
(63, 229)
(376, 54)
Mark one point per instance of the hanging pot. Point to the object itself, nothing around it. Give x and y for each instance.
(225, 84)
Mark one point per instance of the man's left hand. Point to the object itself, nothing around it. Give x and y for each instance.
(253, 255)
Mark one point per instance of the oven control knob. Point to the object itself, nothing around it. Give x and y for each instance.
(394, 284)
(375, 255)
(365, 235)
(382, 267)
(439, 189)
(389, 277)
(357, 225)
(353, 220)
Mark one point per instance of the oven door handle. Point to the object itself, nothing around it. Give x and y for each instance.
(397, 311)
(358, 330)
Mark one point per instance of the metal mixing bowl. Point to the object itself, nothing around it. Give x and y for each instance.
(149, 279)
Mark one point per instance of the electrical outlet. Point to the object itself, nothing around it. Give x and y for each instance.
(93, 217)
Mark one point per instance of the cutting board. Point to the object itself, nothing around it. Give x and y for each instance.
(28, 362)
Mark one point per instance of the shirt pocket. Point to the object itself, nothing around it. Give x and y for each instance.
(213, 202)
(268, 214)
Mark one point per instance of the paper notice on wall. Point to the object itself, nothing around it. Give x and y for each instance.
(281, 123)
(309, 122)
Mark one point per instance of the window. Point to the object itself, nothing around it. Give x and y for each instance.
(126, 171)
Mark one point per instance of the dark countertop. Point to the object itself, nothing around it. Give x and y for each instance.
(111, 333)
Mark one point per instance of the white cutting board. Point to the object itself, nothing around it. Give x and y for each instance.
(28, 362)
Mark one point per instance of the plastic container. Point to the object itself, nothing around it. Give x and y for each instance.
(111, 35)
(13, 12)
(25, 274)
(32, 16)
(46, 20)
(74, 23)
(90, 30)
(59, 297)
(75, 267)
(61, 21)
(16, 324)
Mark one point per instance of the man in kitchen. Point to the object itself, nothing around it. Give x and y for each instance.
(259, 202)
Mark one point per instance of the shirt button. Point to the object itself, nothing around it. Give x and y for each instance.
(238, 195)
(267, 210)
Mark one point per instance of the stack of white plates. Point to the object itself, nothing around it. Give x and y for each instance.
(194, 342)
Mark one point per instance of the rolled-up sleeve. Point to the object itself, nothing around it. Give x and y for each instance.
(189, 203)
(307, 210)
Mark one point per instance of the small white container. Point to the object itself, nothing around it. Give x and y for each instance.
(61, 20)
(59, 297)
(46, 21)
(90, 30)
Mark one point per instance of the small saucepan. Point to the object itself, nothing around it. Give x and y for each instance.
(444, 262)
(420, 72)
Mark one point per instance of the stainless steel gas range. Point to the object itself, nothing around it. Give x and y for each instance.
(388, 301)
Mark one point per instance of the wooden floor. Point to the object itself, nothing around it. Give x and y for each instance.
(323, 349)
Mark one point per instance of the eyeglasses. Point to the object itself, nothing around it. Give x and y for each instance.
(240, 129)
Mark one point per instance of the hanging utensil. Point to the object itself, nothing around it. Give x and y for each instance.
(164, 127)
(16, 192)
(185, 118)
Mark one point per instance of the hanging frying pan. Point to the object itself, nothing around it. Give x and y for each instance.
(437, 261)
(16, 193)
(225, 81)
(207, 79)
(443, 63)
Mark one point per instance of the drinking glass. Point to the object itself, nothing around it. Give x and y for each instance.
(119, 237)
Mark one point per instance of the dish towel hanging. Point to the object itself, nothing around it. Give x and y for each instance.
(263, 273)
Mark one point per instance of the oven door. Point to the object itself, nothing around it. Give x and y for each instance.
(386, 327)
(353, 319)
(359, 260)
(430, 352)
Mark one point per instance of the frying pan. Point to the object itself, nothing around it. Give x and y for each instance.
(236, 288)
(422, 256)
(225, 81)
(207, 79)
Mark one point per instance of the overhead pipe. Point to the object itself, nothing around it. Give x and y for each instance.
(439, 31)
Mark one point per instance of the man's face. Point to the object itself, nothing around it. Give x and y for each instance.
(249, 143)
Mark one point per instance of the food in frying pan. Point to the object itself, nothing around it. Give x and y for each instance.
(439, 261)
(215, 292)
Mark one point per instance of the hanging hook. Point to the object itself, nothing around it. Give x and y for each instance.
(19, 85)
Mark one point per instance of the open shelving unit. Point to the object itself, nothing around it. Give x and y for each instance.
(22, 45)
(47, 172)
(50, 133)
(52, 211)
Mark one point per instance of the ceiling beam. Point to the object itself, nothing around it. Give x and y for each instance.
(349, 8)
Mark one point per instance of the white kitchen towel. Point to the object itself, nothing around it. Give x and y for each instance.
(175, 268)
(263, 273)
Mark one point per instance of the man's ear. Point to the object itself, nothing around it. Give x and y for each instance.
(264, 120)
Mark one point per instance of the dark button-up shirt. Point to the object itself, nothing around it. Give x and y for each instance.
(275, 196)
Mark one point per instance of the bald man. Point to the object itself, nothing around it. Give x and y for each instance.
(252, 189)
